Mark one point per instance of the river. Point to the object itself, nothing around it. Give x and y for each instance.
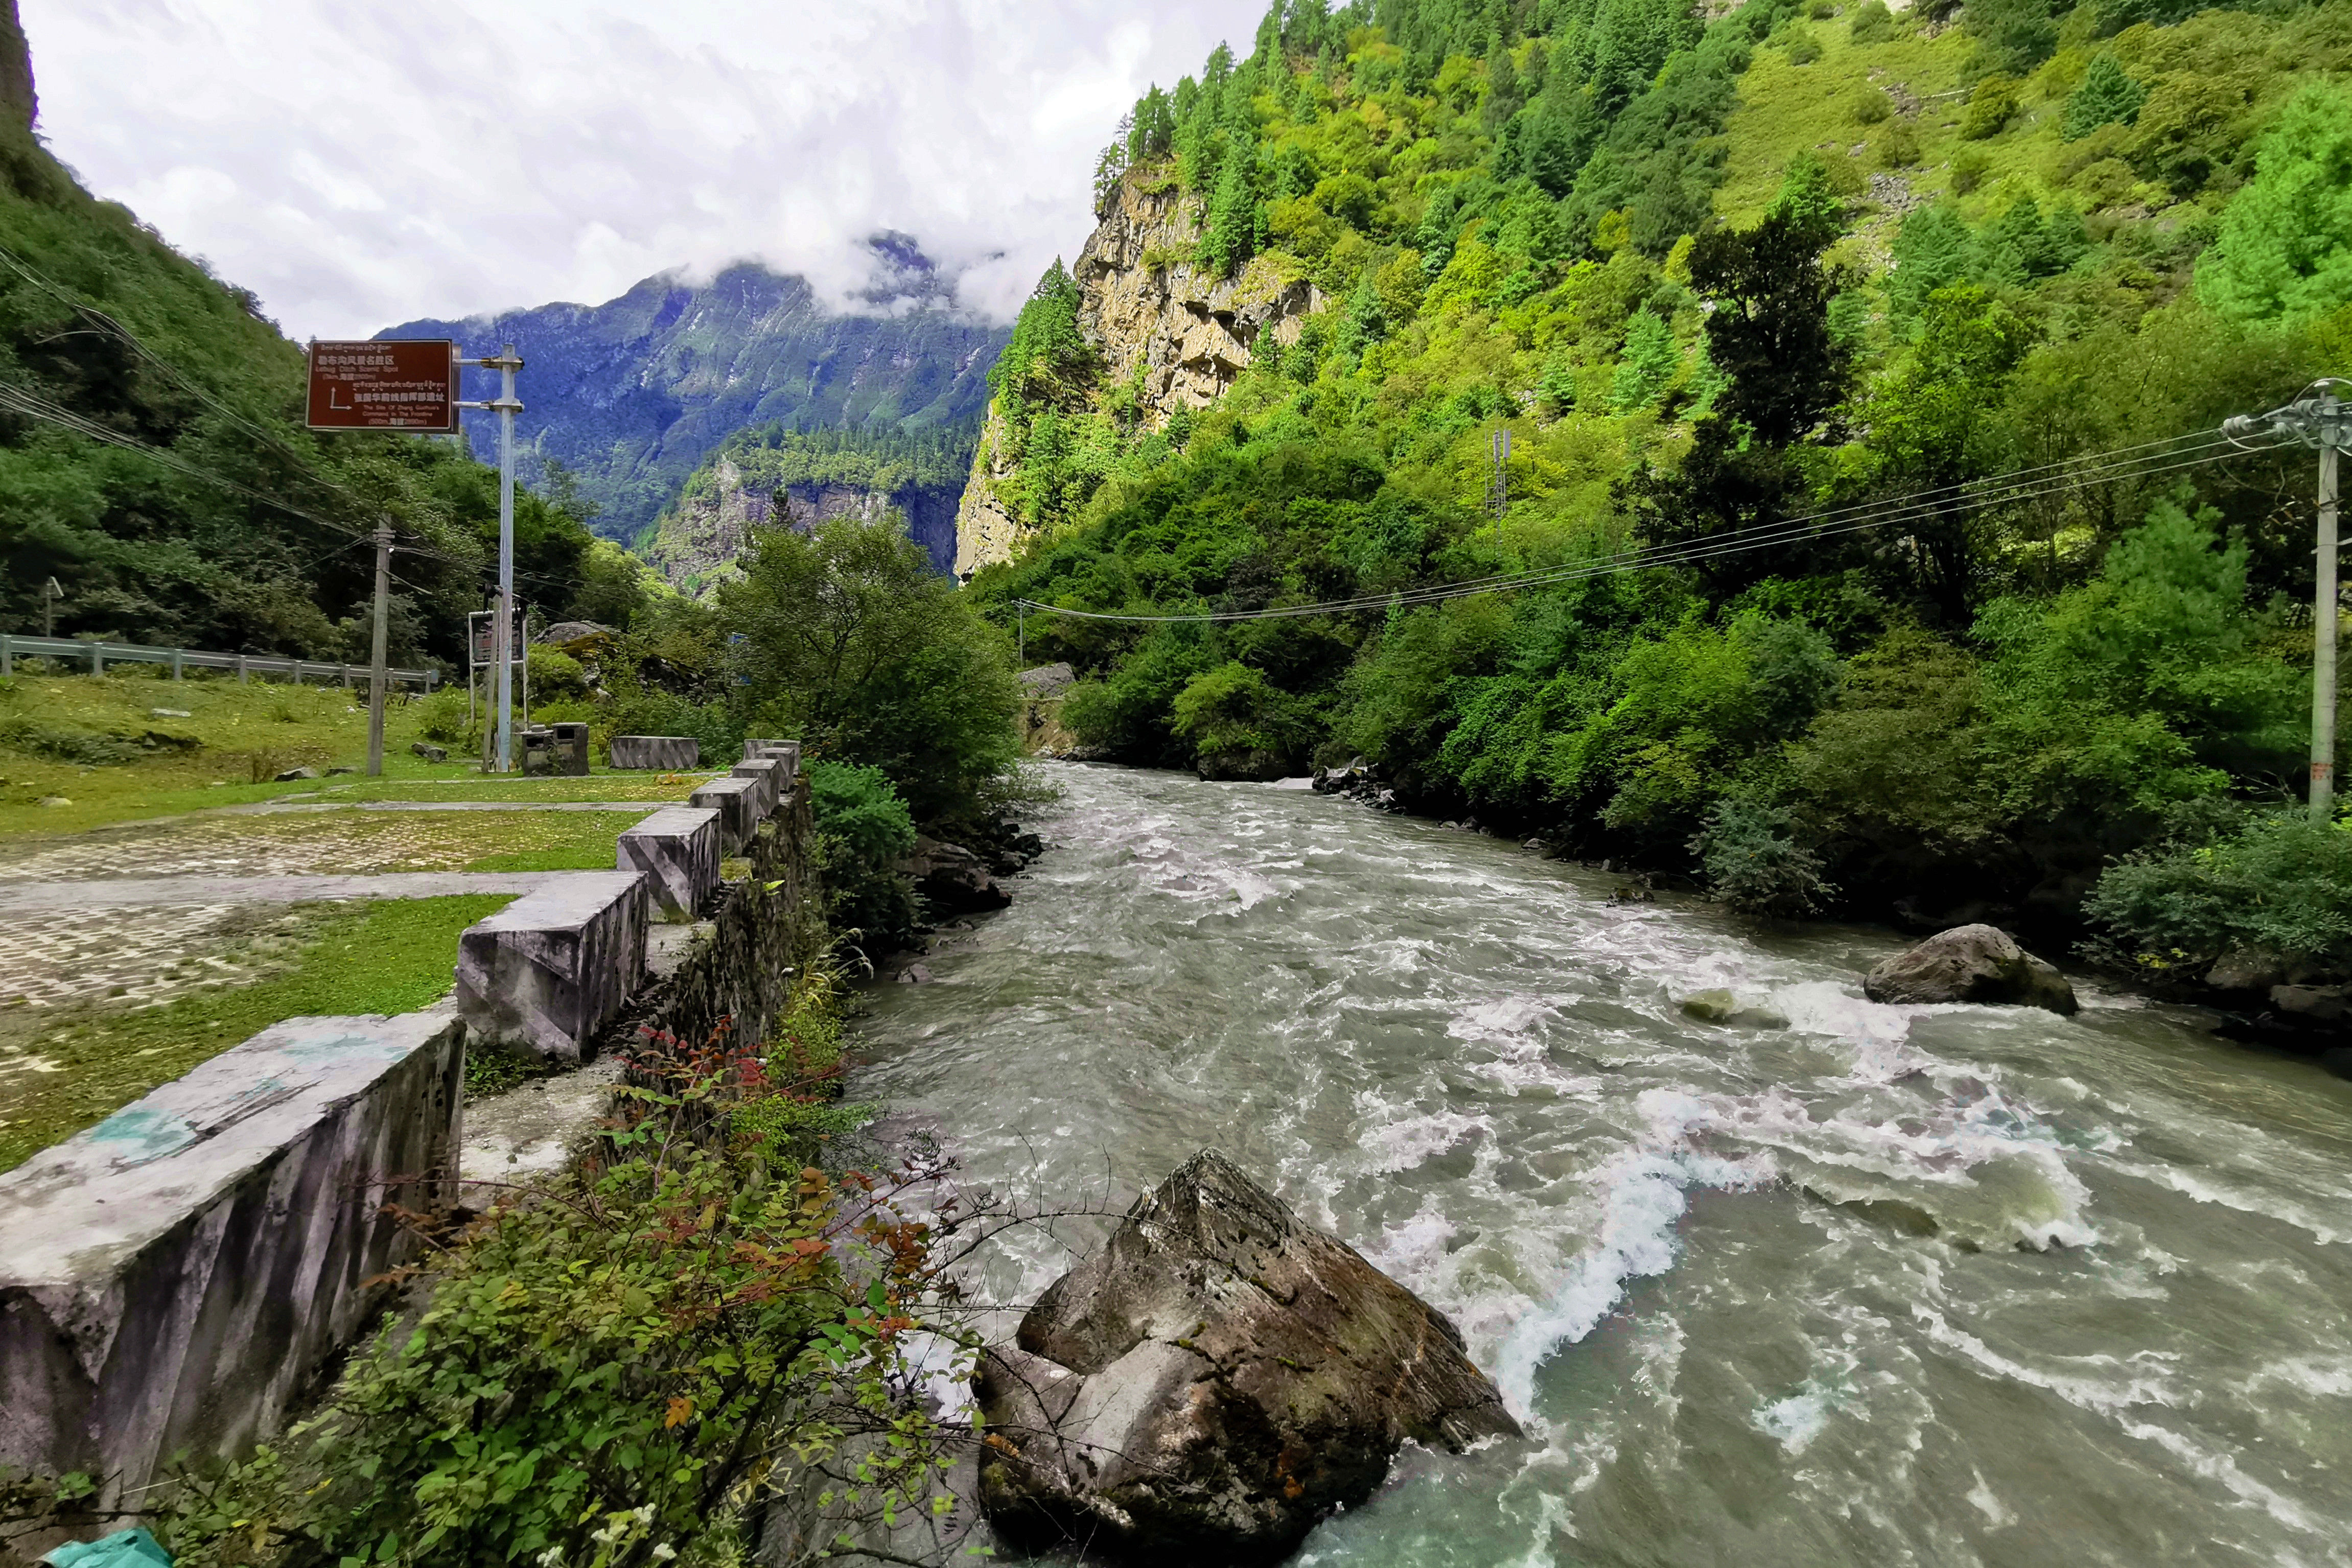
(1886, 1285)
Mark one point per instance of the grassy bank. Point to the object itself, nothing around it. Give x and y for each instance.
(100, 745)
(74, 1067)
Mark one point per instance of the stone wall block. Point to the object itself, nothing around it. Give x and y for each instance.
(769, 773)
(737, 802)
(677, 851)
(172, 1278)
(670, 753)
(547, 972)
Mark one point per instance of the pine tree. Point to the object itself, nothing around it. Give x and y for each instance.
(1648, 365)
(1933, 248)
(2107, 97)
(2285, 252)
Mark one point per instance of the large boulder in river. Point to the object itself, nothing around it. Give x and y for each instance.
(1216, 1380)
(952, 879)
(1970, 964)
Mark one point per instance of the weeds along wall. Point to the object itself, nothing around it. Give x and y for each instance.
(770, 929)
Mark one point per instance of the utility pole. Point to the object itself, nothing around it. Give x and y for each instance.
(506, 362)
(1021, 630)
(375, 656)
(2319, 418)
(1498, 488)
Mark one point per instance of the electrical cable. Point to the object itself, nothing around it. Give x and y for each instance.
(1999, 491)
(1783, 531)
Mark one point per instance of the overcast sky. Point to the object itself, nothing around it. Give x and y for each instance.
(363, 162)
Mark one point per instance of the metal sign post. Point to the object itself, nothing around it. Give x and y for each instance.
(506, 362)
(50, 594)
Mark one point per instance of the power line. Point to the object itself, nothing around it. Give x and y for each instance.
(2003, 491)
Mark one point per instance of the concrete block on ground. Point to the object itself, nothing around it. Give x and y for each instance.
(737, 802)
(570, 748)
(546, 973)
(174, 1278)
(677, 849)
(771, 773)
(670, 753)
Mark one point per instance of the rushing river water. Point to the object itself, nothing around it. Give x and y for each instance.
(1886, 1285)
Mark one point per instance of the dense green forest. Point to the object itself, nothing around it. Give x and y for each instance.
(771, 457)
(153, 461)
(1781, 271)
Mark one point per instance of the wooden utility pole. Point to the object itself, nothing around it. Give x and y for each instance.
(376, 654)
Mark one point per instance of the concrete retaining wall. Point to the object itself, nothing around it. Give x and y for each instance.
(172, 1278)
(677, 849)
(670, 753)
(543, 975)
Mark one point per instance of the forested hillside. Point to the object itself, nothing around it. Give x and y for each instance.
(631, 396)
(152, 458)
(1815, 274)
(774, 477)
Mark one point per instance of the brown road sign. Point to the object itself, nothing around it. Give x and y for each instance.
(403, 384)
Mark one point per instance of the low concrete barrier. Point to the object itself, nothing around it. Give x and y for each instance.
(670, 753)
(788, 752)
(771, 774)
(172, 1278)
(738, 803)
(549, 971)
(677, 851)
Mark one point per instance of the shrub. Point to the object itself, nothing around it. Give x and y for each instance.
(1873, 23)
(1992, 107)
(1969, 170)
(1754, 864)
(1802, 47)
(1895, 145)
(445, 717)
(624, 1373)
(1870, 106)
(2223, 878)
(554, 675)
(863, 830)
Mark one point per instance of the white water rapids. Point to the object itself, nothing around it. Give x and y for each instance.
(1888, 1285)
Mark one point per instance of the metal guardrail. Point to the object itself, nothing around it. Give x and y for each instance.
(14, 646)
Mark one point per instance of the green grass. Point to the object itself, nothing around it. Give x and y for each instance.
(53, 727)
(383, 958)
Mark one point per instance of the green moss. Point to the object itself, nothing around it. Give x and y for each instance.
(386, 957)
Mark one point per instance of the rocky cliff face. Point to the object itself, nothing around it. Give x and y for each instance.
(697, 543)
(1145, 307)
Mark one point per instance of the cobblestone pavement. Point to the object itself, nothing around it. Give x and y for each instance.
(135, 956)
(336, 840)
(64, 898)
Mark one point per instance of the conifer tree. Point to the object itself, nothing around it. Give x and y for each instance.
(1649, 363)
(2107, 97)
(2285, 252)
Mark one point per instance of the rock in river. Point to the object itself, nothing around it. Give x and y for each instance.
(1213, 1382)
(1970, 964)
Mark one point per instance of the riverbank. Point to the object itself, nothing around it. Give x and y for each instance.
(1955, 1281)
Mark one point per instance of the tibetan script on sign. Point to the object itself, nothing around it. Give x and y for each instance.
(409, 385)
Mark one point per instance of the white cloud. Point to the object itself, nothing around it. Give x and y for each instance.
(361, 163)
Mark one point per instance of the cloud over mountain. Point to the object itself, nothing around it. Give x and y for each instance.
(357, 162)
